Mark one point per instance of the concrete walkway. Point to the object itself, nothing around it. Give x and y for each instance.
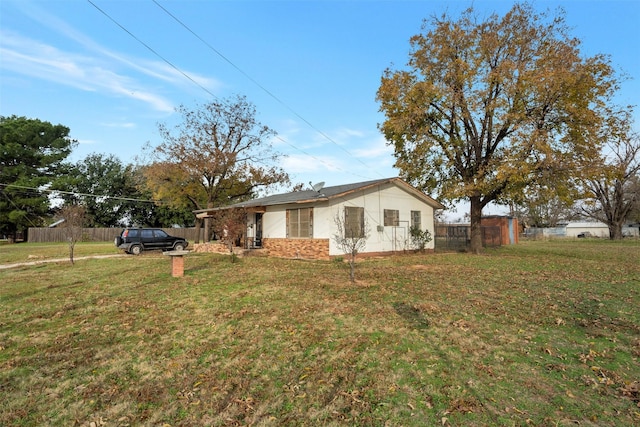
(44, 261)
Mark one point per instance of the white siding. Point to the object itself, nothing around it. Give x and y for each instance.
(274, 222)
(381, 238)
(374, 201)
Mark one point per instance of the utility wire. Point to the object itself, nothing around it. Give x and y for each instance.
(330, 166)
(28, 217)
(152, 50)
(268, 92)
(74, 193)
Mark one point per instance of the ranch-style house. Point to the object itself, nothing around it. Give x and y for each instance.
(302, 224)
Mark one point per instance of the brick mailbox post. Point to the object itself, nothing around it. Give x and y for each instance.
(177, 262)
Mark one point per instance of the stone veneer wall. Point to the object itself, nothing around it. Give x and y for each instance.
(214, 247)
(282, 248)
(297, 248)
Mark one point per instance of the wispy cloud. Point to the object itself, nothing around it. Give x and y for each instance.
(300, 163)
(96, 69)
(358, 151)
(34, 59)
(156, 69)
(347, 134)
(123, 125)
(377, 148)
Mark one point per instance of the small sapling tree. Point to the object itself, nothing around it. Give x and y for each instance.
(351, 235)
(74, 218)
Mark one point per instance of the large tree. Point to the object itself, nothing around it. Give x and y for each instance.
(31, 155)
(488, 106)
(220, 154)
(634, 215)
(545, 202)
(541, 206)
(113, 194)
(104, 186)
(612, 191)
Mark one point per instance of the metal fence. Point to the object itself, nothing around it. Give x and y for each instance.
(60, 234)
(458, 237)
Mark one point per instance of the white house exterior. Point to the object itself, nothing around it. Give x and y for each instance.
(303, 224)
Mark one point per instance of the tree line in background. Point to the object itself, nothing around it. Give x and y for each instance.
(38, 186)
(219, 155)
(503, 110)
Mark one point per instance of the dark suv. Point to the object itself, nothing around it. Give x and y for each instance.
(136, 240)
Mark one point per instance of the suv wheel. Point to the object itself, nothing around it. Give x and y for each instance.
(135, 249)
(179, 247)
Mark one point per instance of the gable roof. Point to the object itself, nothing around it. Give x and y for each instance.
(324, 194)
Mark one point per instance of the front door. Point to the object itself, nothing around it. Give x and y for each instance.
(258, 238)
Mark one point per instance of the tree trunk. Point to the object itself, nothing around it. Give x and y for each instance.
(475, 245)
(615, 231)
(352, 267)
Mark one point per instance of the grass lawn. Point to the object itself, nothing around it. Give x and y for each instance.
(542, 333)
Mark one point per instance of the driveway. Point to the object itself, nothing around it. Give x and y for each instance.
(44, 261)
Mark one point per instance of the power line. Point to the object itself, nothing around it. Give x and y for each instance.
(152, 50)
(78, 194)
(28, 217)
(330, 166)
(268, 92)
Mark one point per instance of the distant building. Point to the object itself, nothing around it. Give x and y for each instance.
(595, 229)
(576, 229)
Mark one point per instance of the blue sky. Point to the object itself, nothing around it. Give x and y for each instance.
(312, 68)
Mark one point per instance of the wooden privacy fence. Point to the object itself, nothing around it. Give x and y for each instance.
(45, 234)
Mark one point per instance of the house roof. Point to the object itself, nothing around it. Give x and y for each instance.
(323, 194)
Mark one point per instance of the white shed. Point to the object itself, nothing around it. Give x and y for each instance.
(596, 229)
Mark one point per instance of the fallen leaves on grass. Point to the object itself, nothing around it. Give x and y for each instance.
(464, 405)
(462, 324)
(632, 391)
